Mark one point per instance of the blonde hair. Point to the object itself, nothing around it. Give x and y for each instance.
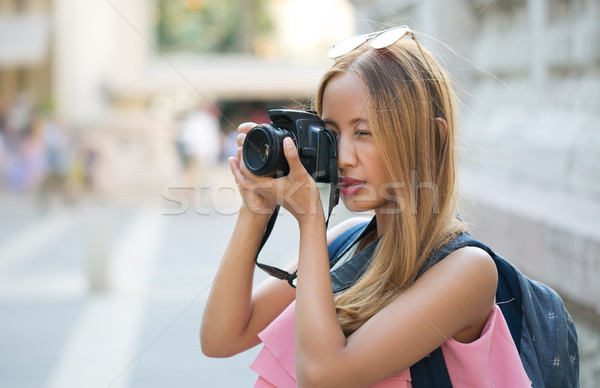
(407, 90)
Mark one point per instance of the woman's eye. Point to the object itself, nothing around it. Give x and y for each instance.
(363, 133)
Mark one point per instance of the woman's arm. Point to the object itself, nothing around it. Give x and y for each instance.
(234, 314)
(317, 329)
(452, 299)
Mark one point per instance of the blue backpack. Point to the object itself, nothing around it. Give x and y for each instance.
(540, 325)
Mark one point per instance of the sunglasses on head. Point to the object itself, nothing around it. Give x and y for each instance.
(379, 40)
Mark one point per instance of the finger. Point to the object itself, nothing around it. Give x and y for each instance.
(245, 127)
(240, 139)
(242, 175)
(291, 155)
(239, 177)
(244, 170)
(233, 164)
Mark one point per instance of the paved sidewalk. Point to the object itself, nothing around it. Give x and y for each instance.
(142, 331)
(151, 270)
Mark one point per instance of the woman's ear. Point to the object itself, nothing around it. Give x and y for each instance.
(442, 127)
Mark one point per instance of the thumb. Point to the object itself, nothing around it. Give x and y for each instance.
(291, 155)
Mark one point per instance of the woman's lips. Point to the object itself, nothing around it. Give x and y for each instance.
(350, 186)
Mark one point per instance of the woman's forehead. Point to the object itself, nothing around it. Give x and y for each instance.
(345, 96)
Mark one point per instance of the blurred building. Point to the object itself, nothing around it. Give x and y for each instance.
(24, 47)
(121, 81)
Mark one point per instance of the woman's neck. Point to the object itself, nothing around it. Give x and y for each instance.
(382, 218)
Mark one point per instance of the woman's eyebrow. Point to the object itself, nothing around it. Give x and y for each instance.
(329, 122)
(354, 121)
(359, 120)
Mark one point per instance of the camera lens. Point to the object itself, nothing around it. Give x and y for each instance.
(263, 151)
(257, 149)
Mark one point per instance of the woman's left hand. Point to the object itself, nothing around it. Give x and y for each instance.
(297, 192)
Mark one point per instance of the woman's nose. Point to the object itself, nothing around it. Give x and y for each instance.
(346, 153)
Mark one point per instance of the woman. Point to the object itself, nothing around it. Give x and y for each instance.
(392, 109)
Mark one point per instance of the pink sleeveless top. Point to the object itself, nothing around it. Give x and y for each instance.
(490, 361)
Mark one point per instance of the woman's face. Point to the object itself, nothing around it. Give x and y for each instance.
(363, 181)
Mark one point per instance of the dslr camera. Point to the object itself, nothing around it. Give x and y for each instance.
(317, 146)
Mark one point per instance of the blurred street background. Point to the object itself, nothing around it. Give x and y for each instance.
(117, 117)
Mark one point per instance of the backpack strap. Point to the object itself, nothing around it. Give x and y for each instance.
(509, 289)
(431, 372)
(508, 298)
(347, 274)
(341, 242)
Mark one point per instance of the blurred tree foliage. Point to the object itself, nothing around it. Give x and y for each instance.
(212, 26)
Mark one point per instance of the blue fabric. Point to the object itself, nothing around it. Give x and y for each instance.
(347, 274)
(343, 276)
(431, 372)
(549, 344)
(339, 244)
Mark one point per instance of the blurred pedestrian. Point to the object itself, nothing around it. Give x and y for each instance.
(3, 156)
(25, 163)
(55, 148)
(230, 144)
(200, 140)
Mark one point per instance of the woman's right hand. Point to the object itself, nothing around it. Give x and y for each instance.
(252, 199)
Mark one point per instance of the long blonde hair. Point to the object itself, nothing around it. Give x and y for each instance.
(407, 91)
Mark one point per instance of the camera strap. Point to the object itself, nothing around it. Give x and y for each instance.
(334, 197)
(334, 188)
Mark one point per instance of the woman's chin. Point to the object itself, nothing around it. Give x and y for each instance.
(358, 204)
(355, 205)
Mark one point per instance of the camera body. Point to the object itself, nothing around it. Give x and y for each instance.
(317, 146)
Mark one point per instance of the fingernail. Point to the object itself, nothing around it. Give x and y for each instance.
(288, 142)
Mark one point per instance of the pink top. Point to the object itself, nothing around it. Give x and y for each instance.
(490, 361)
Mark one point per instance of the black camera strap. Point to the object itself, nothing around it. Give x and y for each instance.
(273, 271)
(334, 188)
(334, 197)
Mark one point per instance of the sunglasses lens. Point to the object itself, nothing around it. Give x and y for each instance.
(345, 46)
(389, 37)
